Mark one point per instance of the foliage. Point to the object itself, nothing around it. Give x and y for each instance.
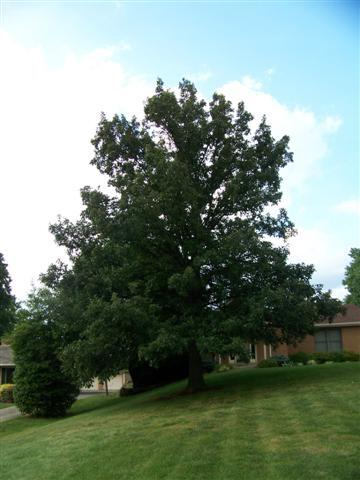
(352, 277)
(351, 356)
(282, 360)
(179, 259)
(7, 301)
(268, 363)
(7, 393)
(41, 387)
(208, 365)
(323, 357)
(224, 367)
(300, 357)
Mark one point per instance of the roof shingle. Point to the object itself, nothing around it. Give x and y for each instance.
(6, 356)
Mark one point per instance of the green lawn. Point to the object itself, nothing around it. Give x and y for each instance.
(252, 424)
(4, 405)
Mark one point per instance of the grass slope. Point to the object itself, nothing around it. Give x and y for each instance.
(253, 424)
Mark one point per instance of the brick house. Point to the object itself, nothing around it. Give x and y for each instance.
(343, 333)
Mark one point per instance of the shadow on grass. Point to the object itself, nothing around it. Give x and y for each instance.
(245, 383)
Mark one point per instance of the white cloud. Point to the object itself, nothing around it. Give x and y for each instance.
(251, 83)
(349, 206)
(320, 249)
(308, 133)
(47, 119)
(339, 292)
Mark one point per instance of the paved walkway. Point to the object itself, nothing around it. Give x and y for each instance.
(8, 413)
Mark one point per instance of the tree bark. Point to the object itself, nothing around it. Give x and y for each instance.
(106, 388)
(196, 378)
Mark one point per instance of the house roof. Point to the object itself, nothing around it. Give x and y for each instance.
(350, 317)
(6, 356)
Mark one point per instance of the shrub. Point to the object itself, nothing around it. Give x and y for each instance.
(321, 357)
(269, 363)
(224, 367)
(336, 356)
(281, 360)
(41, 387)
(351, 357)
(300, 357)
(208, 366)
(325, 357)
(7, 393)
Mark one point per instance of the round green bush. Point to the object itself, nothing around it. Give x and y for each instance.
(41, 387)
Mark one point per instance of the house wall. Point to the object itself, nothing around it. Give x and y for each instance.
(263, 351)
(114, 384)
(281, 349)
(350, 343)
(119, 381)
(351, 339)
(307, 345)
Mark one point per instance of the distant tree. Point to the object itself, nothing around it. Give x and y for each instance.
(41, 386)
(180, 259)
(7, 300)
(352, 277)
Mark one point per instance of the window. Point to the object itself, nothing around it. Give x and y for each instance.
(7, 374)
(328, 340)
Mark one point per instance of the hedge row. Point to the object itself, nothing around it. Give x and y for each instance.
(312, 358)
(323, 357)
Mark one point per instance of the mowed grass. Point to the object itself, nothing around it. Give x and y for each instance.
(4, 405)
(252, 424)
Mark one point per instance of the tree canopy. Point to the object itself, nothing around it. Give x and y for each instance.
(7, 300)
(180, 257)
(352, 277)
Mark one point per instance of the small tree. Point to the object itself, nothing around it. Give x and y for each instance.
(41, 387)
(7, 301)
(352, 277)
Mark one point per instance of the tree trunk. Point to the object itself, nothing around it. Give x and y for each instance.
(196, 378)
(106, 388)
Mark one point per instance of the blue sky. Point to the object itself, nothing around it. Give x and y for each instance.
(298, 62)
